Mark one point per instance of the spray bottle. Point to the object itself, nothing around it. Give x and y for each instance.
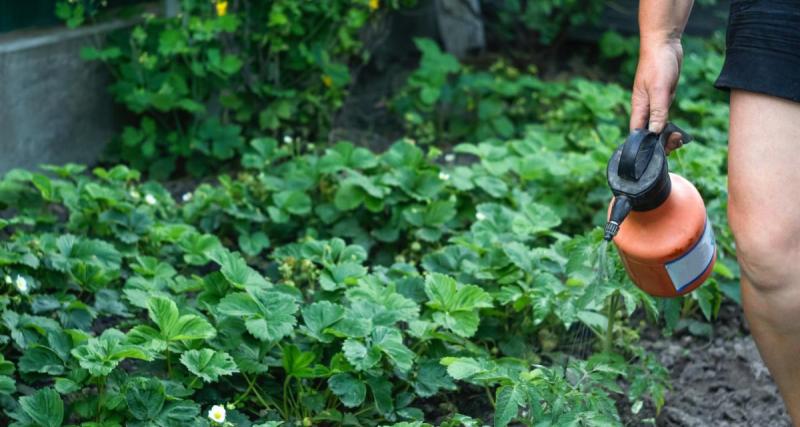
(657, 219)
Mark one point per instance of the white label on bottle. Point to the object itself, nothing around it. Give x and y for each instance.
(693, 263)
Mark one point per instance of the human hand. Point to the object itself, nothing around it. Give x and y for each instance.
(654, 87)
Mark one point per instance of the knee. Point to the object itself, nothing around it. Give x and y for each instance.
(767, 254)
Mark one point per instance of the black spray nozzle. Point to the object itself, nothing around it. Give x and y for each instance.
(619, 210)
(639, 170)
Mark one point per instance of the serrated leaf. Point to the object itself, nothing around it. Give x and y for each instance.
(349, 389)
(41, 359)
(145, 398)
(390, 342)
(382, 394)
(359, 355)
(178, 413)
(208, 364)
(456, 305)
(7, 385)
(236, 270)
(45, 408)
(174, 327)
(462, 367)
(101, 355)
(269, 315)
(507, 403)
(298, 363)
(319, 316)
(431, 378)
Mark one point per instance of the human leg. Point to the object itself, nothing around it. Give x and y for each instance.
(764, 214)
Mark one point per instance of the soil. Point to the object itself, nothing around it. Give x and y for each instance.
(719, 381)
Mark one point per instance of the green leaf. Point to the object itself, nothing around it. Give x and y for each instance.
(507, 403)
(349, 197)
(66, 386)
(520, 255)
(253, 244)
(236, 270)
(268, 314)
(359, 355)
(298, 363)
(45, 408)
(349, 389)
(462, 367)
(431, 378)
(341, 275)
(382, 394)
(390, 342)
(492, 185)
(294, 202)
(178, 413)
(319, 316)
(208, 364)
(535, 218)
(7, 385)
(174, 327)
(101, 355)
(456, 305)
(41, 359)
(145, 398)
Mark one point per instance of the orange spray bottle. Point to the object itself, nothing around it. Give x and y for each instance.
(657, 219)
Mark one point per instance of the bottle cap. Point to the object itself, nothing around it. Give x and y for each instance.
(638, 169)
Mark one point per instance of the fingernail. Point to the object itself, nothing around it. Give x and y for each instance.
(654, 127)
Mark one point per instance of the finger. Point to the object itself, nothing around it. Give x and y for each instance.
(674, 141)
(659, 110)
(640, 109)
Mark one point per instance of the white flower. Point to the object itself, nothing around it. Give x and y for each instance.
(187, 197)
(150, 199)
(449, 158)
(480, 215)
(8, 279)
(287, 139)
(217, 414)
(135, 194)
(444, 176)
(22, 284)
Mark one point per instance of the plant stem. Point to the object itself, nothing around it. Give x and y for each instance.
(612, 314)
(101, 394)
(263, 401)
(169, 363)
(489, 395)
(688, 305)
(250, 385)
(286, 393)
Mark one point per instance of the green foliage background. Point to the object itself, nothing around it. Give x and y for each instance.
(453, 279)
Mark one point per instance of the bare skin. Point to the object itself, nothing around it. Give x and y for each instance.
(763, 175)
(764, 214)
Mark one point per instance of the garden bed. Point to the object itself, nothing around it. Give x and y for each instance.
(720, 381)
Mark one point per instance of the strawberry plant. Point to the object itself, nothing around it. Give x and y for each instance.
(335, 285)
(202, 81)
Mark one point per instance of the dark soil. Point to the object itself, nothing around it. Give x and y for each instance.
(715, 382)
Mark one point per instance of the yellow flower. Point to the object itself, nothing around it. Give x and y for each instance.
(327, 80)
(222, 8)
(374, 4)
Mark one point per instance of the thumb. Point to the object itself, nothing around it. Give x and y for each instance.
(659, 110)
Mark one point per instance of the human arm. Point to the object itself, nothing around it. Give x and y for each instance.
(661, 24)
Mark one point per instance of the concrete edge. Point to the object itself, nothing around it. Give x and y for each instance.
(23, 40)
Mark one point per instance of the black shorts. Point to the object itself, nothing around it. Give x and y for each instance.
(763, 48)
